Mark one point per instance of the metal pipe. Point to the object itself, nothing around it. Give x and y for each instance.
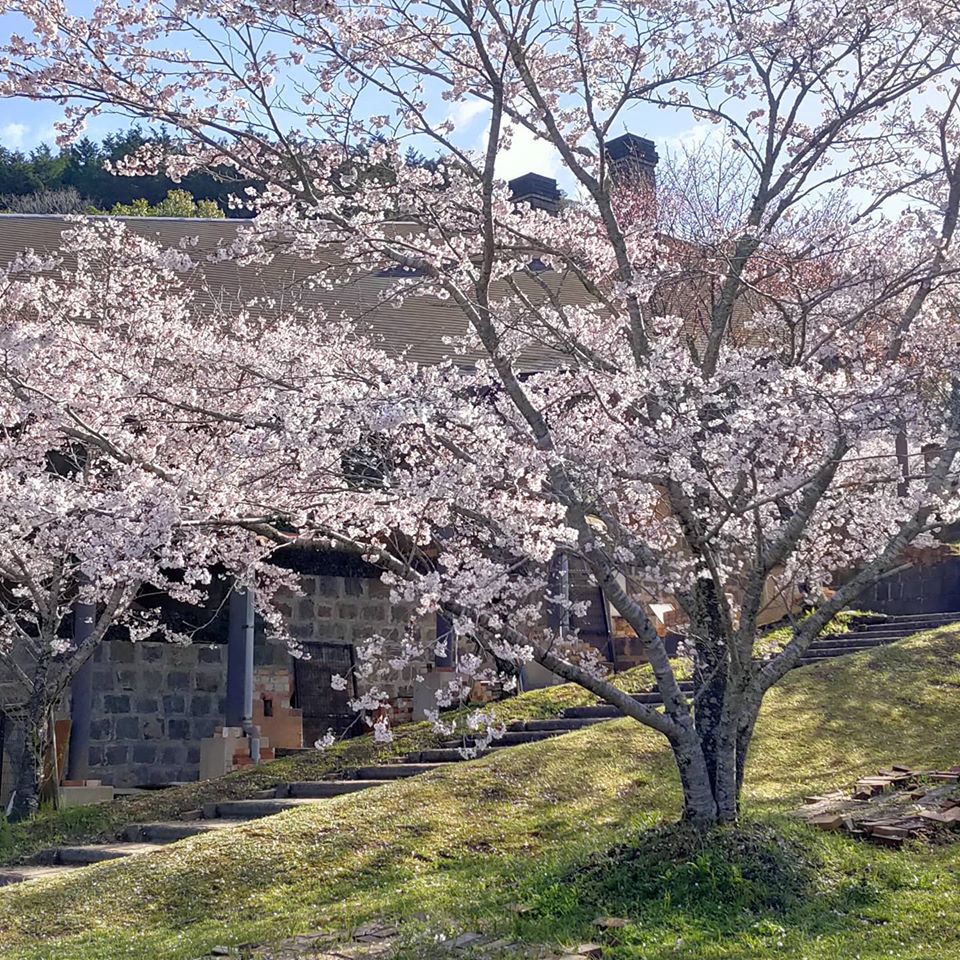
(81, 696)
(240, 642)
(239, 708)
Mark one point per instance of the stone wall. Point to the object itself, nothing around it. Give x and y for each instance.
(923, 588)
(6, 765)
(152, 705)
(348, 610)
(154, 702)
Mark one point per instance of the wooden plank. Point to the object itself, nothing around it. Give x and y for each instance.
(828, 821)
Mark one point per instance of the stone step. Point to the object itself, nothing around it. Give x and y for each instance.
(855, 635)
(834, 640)
(809, 658)
(850, 645)
(884, 628)
(937, 615)
(394, 771)
(906, 625)
(513, 738)
(654, 698)
(442, 755)
(253, 809)
(169, 831)
(856, 640)
(888, 635)
(30, 872)
(599, 711)
(98, 853)
(826, 654)
(326, 788)
(557, 723)
(862, 635)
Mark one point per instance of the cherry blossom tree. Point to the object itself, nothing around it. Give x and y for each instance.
(86, 526)
(711, 414)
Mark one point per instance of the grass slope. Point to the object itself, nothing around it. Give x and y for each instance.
(103, 822)
(568, 828)
(89, 824)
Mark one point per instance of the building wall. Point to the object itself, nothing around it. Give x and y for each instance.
(348, 610)
(923, 588)
(154, 702)
(152, 705)
(6, 765)
(279, 722)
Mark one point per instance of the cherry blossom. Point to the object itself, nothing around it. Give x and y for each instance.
(726, 400)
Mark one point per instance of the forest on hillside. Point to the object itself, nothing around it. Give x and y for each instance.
(77, 180)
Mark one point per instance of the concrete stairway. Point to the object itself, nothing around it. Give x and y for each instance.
(874, 632)
(147, 837)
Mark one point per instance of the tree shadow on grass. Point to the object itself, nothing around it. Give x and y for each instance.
(526, 825)
(825, 725)
(679, 891)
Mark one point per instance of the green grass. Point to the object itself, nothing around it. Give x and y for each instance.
(571, 828)
(20, 842)
(776, 637)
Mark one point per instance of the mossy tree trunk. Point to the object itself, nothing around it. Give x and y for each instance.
(29, 760)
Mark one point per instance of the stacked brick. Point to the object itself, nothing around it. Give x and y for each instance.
(893, 806)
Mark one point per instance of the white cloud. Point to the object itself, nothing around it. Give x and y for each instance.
(528, 154)
(464, 112)
(13, 135)
(691, 138)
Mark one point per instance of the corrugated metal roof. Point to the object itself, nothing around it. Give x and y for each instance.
(420, 323)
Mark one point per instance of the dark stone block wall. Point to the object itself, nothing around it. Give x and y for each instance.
(152, 705)
(336, 609)
(926, 588)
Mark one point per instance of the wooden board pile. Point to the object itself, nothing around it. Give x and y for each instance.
(892, 807)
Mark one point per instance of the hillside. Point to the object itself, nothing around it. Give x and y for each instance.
(563, 827)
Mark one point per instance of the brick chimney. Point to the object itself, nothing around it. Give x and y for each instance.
(633, 158)
(540, 192)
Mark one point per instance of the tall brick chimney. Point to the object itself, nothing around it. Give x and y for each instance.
(635, 159)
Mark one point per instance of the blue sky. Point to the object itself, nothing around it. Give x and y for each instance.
(25, 124)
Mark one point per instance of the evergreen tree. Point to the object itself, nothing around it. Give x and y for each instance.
(27, 180)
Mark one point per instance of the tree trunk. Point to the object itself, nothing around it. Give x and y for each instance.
(712, 766)
(711, 679)
(744, 738)
(26, 781)
(709, 768)
(724, 764)
(699, 803)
